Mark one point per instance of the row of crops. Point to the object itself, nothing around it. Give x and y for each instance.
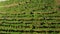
(29, 17)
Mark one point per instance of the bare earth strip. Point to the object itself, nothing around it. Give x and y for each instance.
(14, 4)
(58, 2)
(58, 5)
(9, 5)
(3, 0)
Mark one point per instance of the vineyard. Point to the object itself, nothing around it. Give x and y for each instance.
(30, 17)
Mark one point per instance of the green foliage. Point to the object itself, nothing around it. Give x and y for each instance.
(31, 16)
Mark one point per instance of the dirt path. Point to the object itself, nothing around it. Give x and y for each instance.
(14, 4)
(3, 0)
(57, 5)
(57, 2)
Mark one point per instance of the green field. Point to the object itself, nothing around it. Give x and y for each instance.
(30, 17)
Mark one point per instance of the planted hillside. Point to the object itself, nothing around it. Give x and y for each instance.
(30, 17)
